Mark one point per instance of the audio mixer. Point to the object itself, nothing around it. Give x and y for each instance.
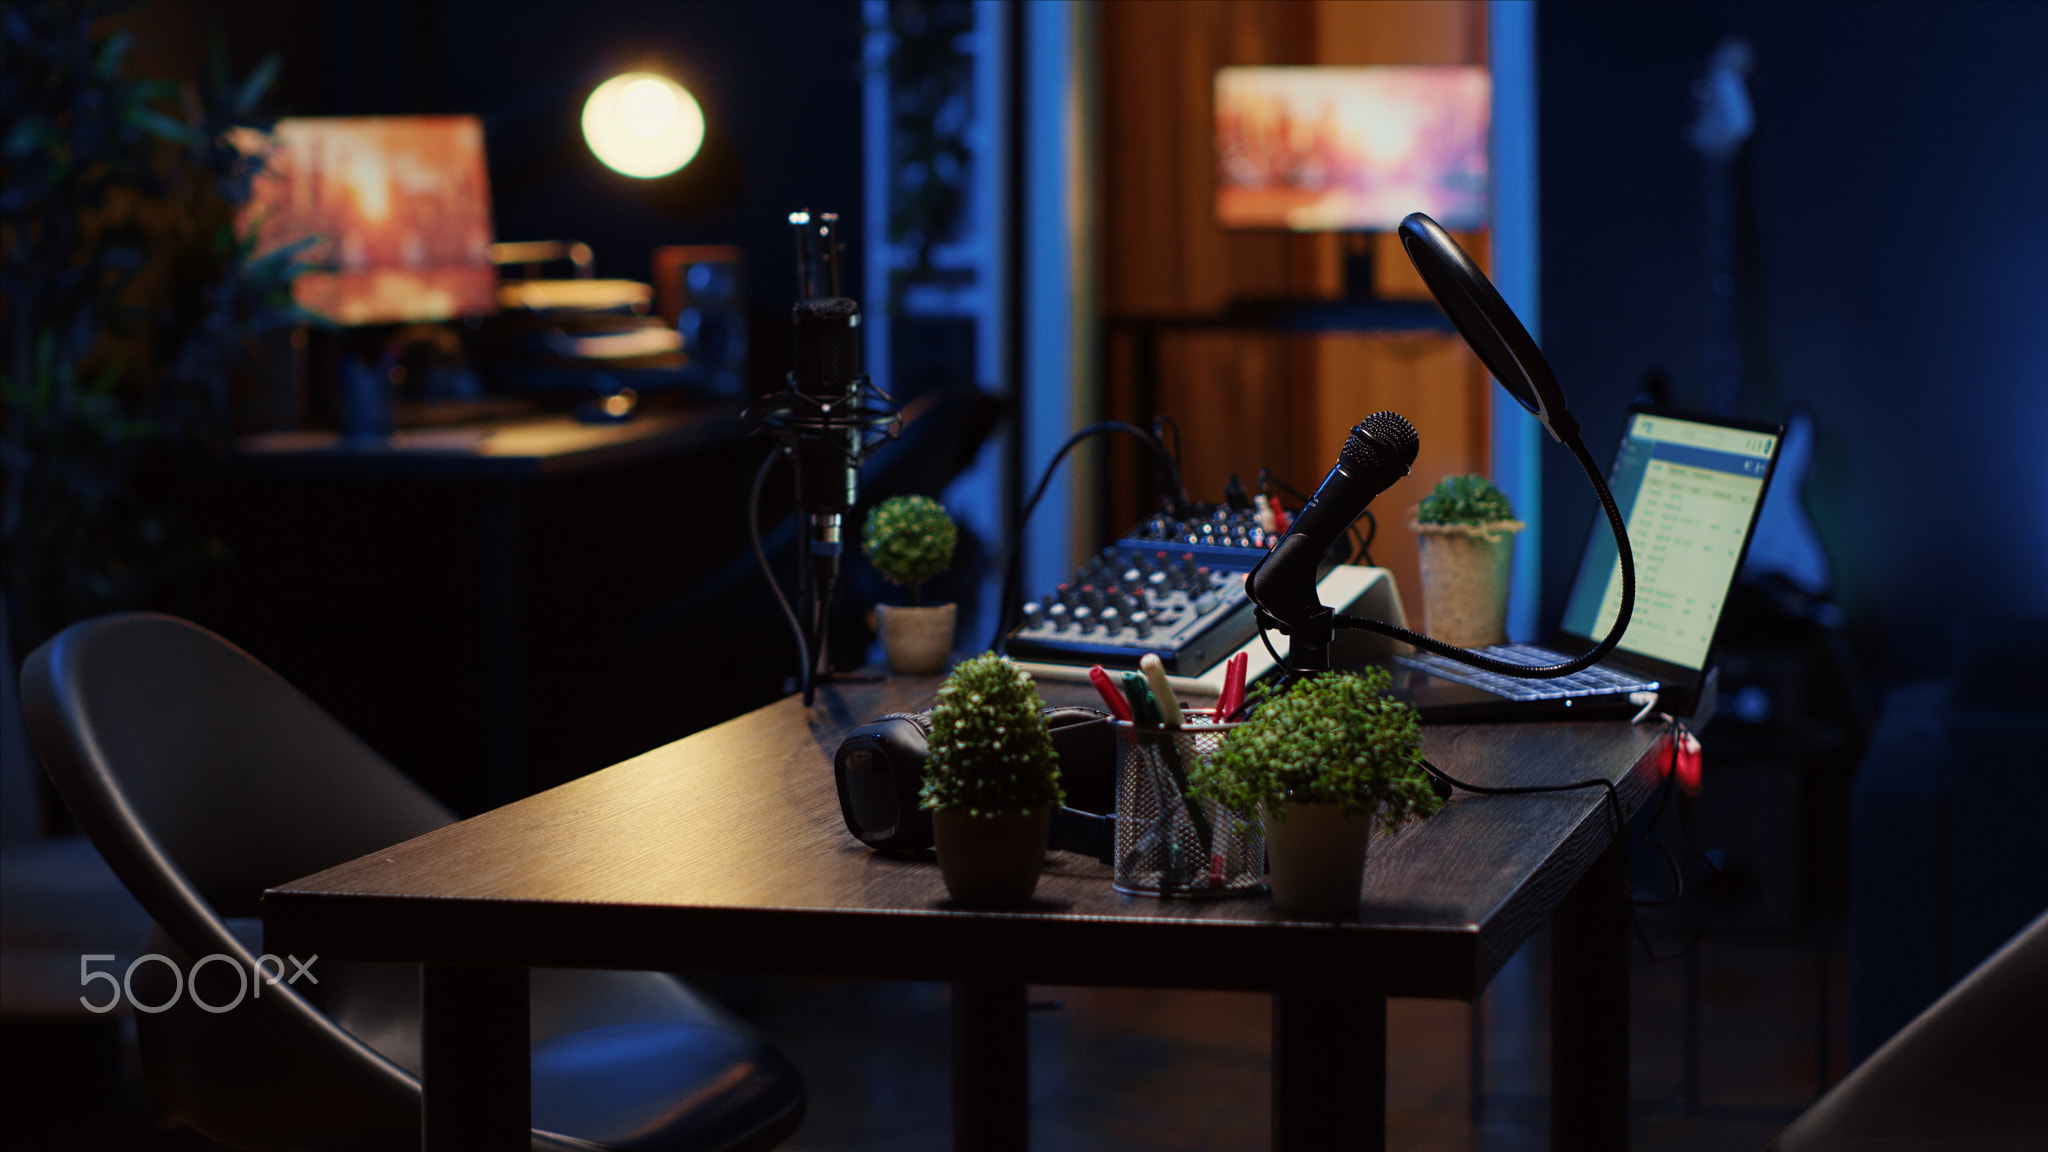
(1170, 586)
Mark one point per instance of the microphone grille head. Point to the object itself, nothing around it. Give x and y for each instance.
(827, 344)
(1381, 440)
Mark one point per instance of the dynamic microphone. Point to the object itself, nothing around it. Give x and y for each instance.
(1380, 451)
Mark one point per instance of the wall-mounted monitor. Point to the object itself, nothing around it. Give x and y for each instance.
(400, 207)
(1341, 149)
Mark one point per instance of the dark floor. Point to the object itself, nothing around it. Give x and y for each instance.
(1124, 1069)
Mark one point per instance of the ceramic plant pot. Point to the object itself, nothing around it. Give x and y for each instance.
(1315, 858)
(1465, 581)
(917, 641)
(993, 860)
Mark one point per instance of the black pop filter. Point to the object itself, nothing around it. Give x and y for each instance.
(1492, 329)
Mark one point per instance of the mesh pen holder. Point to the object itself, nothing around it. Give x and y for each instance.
(1166, 843)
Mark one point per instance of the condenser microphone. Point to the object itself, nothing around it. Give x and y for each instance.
(1380, 451)
(827, 383)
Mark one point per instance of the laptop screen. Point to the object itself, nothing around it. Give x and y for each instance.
(1689, 492)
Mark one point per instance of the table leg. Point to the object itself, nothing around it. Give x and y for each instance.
(1329, 1071)
(1589, 1010)
(476, 1083)
(991, 1082)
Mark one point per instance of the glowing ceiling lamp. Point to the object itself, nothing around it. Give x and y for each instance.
(643, 125)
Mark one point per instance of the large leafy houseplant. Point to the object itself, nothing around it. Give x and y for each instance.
(991, 780)
(131, 298)
(1322, 760)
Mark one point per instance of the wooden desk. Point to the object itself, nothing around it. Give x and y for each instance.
(498, 464)
(725, 852)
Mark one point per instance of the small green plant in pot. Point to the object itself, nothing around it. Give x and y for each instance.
(991, 781)
(1319, 760)
(1467, 529)
(910, 540)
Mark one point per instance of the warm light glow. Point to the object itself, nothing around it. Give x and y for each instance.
(643, 125)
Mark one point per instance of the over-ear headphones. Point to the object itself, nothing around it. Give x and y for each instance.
(879, 771)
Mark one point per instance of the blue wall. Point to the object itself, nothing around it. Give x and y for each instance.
(1899, 176)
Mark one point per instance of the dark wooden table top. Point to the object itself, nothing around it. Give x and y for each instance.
(725, 851)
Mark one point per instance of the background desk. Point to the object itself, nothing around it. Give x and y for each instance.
(487, 605)
(725, 852)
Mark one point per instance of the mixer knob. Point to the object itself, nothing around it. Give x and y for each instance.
(1160, 581)
(1084, 618)
(1034, 614)
(1142, 622)
(1059, 617)
(1205, 603)
(1110, 619)
(1133, 576)
(1092, 596)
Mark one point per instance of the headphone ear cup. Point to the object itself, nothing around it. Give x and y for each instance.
(879, 773)
(1087, 749)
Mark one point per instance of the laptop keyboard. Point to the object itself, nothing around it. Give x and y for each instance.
(1594, 681)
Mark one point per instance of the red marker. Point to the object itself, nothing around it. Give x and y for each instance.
(1112, 696)
(1232, 698)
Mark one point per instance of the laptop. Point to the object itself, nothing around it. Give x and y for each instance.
(1689, 488)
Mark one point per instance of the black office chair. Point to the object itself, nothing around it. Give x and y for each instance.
(204, 778)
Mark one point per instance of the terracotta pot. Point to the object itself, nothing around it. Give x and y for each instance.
(992, 860)
(1315, 858)
(1465, 581)
(917, 641)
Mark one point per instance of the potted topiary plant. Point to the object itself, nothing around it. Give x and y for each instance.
(1467, 529)
(991, 781)
(1318, 760)
(910, 540)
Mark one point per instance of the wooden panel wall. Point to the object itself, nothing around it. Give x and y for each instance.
(1244, 400)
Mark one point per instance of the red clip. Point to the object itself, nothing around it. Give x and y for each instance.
(1688, 761)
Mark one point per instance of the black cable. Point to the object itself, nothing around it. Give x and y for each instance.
(1372, 532)
(803, 647)
(1525, 671)
(1279, 661)
(1169, 476)
(1613, 798)
(1656, 813)
(1676, 734)
(1162, 422)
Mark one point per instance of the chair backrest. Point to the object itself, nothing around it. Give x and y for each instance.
(1966, 1073)
(204, 778)
(180, 753)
